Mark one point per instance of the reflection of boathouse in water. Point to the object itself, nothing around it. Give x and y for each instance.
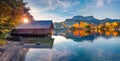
(35, 28)
(30, 43)
(44, 42)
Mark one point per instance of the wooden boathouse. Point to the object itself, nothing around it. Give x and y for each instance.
(35, 28)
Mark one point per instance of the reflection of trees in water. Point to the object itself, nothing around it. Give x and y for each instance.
(80, 35)
(108, 33)
(90, 38)
(83, 33)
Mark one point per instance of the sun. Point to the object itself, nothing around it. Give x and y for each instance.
(26, 21)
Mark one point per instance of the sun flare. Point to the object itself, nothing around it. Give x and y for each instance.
(26, 21)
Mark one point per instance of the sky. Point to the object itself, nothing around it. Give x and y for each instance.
(59, 10)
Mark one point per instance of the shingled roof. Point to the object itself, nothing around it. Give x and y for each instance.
(36, 25)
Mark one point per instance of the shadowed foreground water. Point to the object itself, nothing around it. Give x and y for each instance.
(99, 48)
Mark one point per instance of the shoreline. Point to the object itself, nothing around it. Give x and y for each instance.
(13, 52)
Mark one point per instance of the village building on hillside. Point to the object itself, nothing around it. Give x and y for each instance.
(35, 28)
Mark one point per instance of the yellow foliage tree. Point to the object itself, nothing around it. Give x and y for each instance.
(76, 25)
(83, 24)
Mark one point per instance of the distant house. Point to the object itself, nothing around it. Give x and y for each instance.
(35, 28)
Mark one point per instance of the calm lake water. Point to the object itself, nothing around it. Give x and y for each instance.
(77, 47)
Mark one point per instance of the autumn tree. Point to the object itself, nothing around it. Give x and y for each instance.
(12, 12)
(115, 24)
(76, 25)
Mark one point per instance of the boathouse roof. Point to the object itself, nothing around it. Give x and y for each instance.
(39, 24)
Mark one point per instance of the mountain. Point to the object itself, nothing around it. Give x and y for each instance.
(89, 19)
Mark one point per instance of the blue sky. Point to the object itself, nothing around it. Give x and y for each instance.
(59, 10)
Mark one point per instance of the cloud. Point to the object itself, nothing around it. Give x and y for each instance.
(61, 4)
(59, 10)
(41, 15)
(109, 1)
(42, 9)
(51, 5)
(100, 3)
(64, 4)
